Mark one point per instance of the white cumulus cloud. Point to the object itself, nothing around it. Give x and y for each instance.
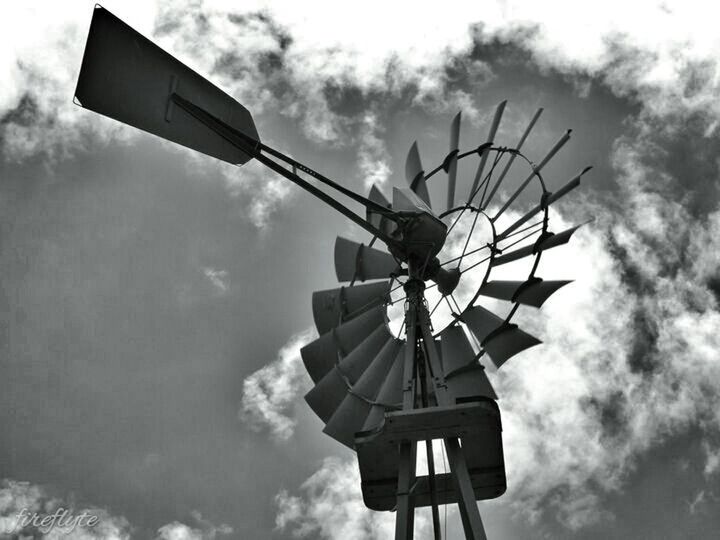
(270, 393)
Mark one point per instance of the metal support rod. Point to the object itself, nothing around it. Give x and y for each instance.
(472, 522)
(254, 148)
(469, 513)
(405, 517)
(429, 449)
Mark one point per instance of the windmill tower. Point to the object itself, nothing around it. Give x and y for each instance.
(401, 359)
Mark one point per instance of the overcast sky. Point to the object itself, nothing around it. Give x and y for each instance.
(154, 300)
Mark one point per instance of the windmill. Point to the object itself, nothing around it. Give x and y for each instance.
(401, 359)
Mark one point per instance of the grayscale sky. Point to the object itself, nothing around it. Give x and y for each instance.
(153, 300)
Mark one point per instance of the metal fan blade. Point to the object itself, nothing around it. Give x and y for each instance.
(567, 188)
(321, 355)
(348, 419)
(554, 150)
(355, 261)
(390, 392)
(551, 241)
(464, 375)
(481, 321)
(507, 342)
(470, 383)
(532, 292)
(457, 353)
(406, 200)
(377, 196)
(328, 393)
(127, 77)
(375, 219)
(490, 138)
(415, 175)
(334, 306)
(533, 120)
(350, 416)
(452, 164)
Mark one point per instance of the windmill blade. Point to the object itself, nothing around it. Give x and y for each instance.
(127, 77)
(500, 339)
(551, 241)
(456, 350)
(377, 196)
(506, 342)
(452, 162)
(351, 414)
(532, 292)
(483, 159)
(471, 383)
(554, 150)
(334, 306)
(406, 200)
(327, 395)
(464, 375)
(375, 219)
(321, 355)
(481, 321)
(390, 393)
(553, 197)
(415, 175)
(355, 261)
(484, 204)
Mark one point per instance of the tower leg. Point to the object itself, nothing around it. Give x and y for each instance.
(405, 518)
(469, 513)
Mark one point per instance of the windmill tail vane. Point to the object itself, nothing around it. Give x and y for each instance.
(404, 342)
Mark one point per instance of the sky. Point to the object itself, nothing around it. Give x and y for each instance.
(154, 300)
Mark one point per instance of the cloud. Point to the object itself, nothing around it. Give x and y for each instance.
(373, 157)
(712, 459)
(270, 393)
(698, 501)
(18, 496)
(20, 499)
(205, 530)
(218, 278)
(42, 47)
(332, 507)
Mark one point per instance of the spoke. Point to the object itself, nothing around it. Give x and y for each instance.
(476, 264)
(400, 284)
(487, 183)
(536, 172)
(436, 306)
(401, 299)
(491, 138)
(456, 220)
(512, 159)
(457, 306)
(467, 240)
(486, 246)
(520, 240)
(486, 180)
(522, 230)
(452, 309)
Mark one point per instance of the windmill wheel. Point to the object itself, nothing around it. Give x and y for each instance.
(356, 363)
